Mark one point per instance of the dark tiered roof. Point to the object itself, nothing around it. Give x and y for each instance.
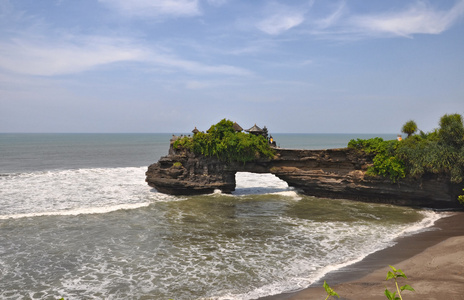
(237, 127)
(254, 129)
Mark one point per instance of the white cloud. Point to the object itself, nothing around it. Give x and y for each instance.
(154, 8)
(170, 61)
(276, 24)
(49, 59)
(279, 18)
(417, 19)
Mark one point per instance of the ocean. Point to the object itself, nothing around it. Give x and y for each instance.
(78, 221)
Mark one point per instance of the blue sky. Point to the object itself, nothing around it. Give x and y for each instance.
(170, 65)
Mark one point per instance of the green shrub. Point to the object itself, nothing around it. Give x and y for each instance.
(385, 163)
(223, 142)
(438, 152)
(387, 166)
(370, 146)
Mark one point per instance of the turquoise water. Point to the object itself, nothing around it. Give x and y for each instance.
(78, 221)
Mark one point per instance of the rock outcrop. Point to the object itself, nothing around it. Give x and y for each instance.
(332, 173)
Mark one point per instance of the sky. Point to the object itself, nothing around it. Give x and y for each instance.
(294, 66)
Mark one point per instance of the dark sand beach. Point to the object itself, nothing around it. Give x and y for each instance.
(433, 260)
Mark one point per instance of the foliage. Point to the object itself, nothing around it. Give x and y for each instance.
(370, 146)
(329, 291)
(438, 152)
(385, 163)
(451, 130)
(410, 127)
(461, 198)
(395, 275)
(223, 142)
(387, 166)
(422, 156)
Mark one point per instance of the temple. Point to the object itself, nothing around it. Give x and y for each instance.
(256, 130)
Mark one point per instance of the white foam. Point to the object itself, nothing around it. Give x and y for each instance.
(430, 217)
(325, 235)
(78, 211)
(252, 184)
(74, 192)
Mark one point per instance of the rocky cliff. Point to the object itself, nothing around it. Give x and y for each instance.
(332, 173)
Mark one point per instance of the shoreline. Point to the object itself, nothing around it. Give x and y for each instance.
(412, 253)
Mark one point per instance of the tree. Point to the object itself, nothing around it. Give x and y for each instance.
(451, 130)
(223, 142)
(410, 127)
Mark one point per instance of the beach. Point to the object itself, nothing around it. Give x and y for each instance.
(433, 261)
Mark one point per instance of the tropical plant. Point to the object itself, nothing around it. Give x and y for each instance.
(395, 275)
(329, 291)
(451, 130)
(409, 128)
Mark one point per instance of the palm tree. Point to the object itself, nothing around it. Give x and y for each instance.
(409, 127)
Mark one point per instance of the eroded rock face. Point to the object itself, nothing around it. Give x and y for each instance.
(332, 173)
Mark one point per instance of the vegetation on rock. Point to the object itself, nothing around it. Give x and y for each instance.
(461, 198)
(223, 142)
(438, 152)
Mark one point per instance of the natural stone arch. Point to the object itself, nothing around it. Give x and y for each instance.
(332, 173)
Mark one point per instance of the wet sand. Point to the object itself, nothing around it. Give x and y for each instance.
(433, 260)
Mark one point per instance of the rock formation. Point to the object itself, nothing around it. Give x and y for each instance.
(332, 173)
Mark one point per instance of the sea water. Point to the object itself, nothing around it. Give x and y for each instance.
(78, 221)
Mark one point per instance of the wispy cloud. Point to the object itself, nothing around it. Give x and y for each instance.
(55, 58)
(279, 18)
(419, 18)
(171, 61)
(277, 24)
(35, 48)
(334, 17)
(150, 8)
(51, 58)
